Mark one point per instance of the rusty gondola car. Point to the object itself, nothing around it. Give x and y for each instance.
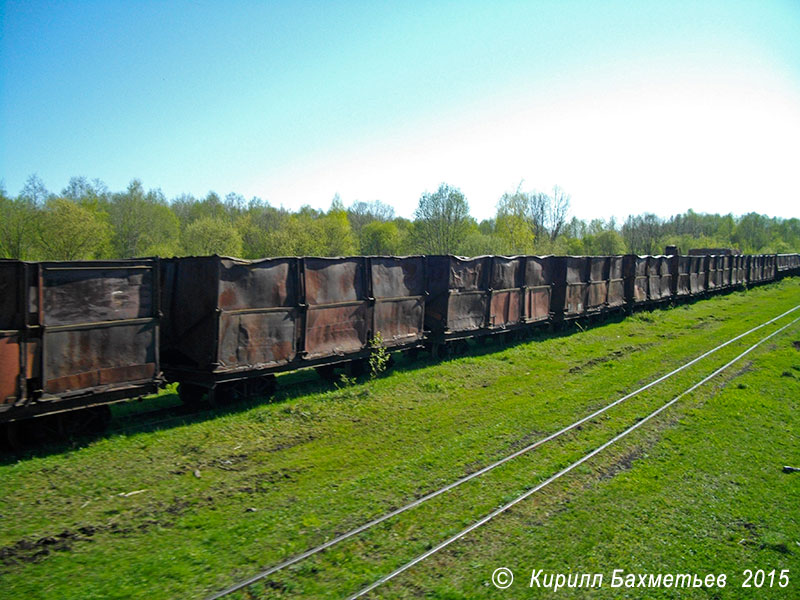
(76, 334)
(697, 275)
(485, 296)
(233, 324)
(680, 282)
(572, 277)
(787, 264)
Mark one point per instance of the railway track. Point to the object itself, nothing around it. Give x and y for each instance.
(536, 444)
(563, 471)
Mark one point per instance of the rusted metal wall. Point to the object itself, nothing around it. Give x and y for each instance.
(224, 314)
(666, 272)
(653, 278)
(616, 282)
(712, 273)
(538, 286)
(12, 348)
(697, 275)
(597, 290)
(257, 302)
(771, 267)
(398, 286)
(458, 289)
(85, 330)
(741, 269)
(491, 293)
(571, 286)
(505, 292)
(99, 324)
(681, 277)
(637, 278)
(755, 268)
(338, 319)
(726, 267)
(233, 319)
(787, 263)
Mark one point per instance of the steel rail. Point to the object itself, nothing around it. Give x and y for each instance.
(562, 472)
(376, 521)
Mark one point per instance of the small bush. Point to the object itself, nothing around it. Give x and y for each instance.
(378, 357)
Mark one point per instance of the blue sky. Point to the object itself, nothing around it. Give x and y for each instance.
(628, 106)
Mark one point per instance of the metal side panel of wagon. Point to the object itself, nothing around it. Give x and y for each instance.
(458, 302)
(787, 264)
(538, 287)
(228, 319)
(88, 333)
(570, 287)
(697, 274)
(637, 279)
(398, 286)
(680, 282)
(506, 296)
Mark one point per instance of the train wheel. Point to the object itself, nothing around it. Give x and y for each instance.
(262, 386)
(31, 433)
(356, 368)
(460, 347)
(225, 393)
(91, 420)
(326, 372)
(190, 393)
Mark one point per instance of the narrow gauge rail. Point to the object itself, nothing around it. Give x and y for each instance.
(429, 496)
(82, 335)
(562, 472)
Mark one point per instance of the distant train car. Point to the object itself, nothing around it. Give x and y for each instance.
(787, 264)
(486, 295)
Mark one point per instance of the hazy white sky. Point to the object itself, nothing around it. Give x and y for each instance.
(628, 106)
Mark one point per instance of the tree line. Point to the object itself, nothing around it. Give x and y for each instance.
(88, 221)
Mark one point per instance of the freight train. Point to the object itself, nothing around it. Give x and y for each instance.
(84, 334)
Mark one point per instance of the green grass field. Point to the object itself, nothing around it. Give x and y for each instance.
(191, 504)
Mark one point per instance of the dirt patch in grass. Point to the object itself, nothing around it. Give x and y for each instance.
(623, 463)
(291, 442)
(608, 357)
(265, 482)
(27, 551)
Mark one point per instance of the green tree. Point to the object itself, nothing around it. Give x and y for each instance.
(265, 231)
(35, 192)
(441, 221)
(337, 235)
(380, 238)
(752, 232)
(513, 227)
(642, 233)
(360, 214)
(68, 231)
(84, 192)
(209, 235)
(605, 243)
(18, 221)
(143, 223)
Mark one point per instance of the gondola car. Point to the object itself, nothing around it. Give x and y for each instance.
(76, 334)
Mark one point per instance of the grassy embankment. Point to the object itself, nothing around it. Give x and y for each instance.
(222, 493)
